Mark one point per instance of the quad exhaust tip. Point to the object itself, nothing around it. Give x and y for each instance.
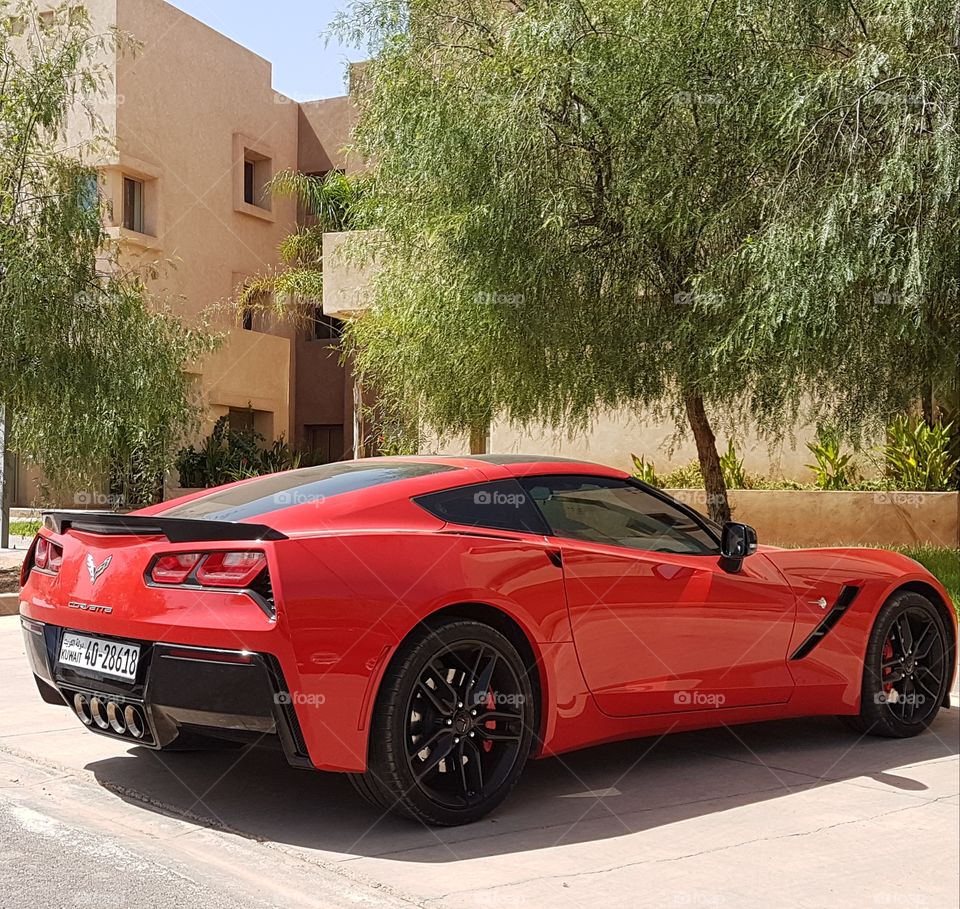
(106, 714)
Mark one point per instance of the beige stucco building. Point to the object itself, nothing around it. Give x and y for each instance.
(194, 130)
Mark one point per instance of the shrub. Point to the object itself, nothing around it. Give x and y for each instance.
(734, 476)
(834, 469)
(918, 456)
(644, 471)
(228, 454)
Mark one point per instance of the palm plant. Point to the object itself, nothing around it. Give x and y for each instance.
(330, 203)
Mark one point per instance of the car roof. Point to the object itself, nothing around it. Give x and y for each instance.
(366, 486)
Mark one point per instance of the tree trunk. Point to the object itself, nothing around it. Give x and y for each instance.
(6, 478)
(479, 434)
(717, 502)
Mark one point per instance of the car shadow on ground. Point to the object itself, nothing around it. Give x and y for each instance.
(590, 795)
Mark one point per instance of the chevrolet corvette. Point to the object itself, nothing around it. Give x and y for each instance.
(428, 624)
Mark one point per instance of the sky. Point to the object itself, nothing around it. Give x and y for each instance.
(289, 34)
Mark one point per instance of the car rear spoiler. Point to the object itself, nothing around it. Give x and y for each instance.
(176, 530)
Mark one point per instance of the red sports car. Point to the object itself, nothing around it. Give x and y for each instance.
(428, 624)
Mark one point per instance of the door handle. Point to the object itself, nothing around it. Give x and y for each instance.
(555, 556)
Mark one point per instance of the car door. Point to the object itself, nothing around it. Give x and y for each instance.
(660, 622)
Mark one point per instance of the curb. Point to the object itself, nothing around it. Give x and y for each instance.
(9, 603)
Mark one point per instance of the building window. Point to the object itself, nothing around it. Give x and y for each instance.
(249, 182)
(133, 204)
(241, 420)
(88, 189)
(252, 173)
(257, 171)
(324, 441)
(324, 328)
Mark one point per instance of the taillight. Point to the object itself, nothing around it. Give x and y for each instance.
(174, 568)
(230, 569)
(208, 569)
(45, 556)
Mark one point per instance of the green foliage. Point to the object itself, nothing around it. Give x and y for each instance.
(835, 469)
(734, 476)
(24, 528)
(644, 470)
(92, 375)
(389, 430)
(689, 477)
(594, 204)
(943, 564)
(918, 456)
(227, 455)
(330, 203)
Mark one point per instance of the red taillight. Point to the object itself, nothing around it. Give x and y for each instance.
(208, 569)
(174, 568)
(230, 569)
(47, 556)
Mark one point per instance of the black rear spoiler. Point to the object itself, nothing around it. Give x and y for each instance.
(176, 530)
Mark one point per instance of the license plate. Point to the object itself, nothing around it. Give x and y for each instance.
(97, 655)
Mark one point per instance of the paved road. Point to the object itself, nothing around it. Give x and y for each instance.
(799, 813)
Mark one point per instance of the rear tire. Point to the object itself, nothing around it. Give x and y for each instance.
(906, 671)
(452, 726)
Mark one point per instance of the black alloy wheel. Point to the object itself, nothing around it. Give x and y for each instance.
(453, 726)
(907, 668)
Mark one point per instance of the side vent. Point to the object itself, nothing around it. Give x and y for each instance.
(847, 595)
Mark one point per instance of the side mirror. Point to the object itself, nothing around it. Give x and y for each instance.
(737, 541)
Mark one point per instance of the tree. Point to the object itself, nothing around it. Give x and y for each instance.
(93, 377)
(590, 204)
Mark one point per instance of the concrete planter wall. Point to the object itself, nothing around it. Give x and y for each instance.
(805, 517)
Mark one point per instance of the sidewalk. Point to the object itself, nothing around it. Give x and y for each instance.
(801, 813)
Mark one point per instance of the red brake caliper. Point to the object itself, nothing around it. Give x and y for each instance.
(489, 724)
(887, 656)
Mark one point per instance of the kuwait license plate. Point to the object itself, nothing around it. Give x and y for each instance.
(97, 655)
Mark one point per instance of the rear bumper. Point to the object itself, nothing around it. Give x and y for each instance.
(184, 694)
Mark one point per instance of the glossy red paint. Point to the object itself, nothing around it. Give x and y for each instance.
(624, 643)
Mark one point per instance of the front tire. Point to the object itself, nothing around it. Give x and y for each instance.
(906, 671)
(452, 727)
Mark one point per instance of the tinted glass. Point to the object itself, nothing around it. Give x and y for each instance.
(603, 510)
(502, 505)
(296, 487)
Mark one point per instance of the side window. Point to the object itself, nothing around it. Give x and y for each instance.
(501, 505)
(615, 512)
